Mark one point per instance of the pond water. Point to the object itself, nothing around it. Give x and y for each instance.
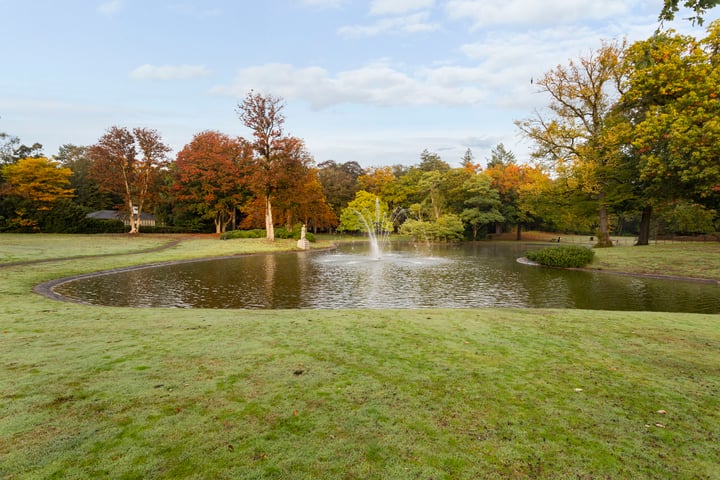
(408, 276)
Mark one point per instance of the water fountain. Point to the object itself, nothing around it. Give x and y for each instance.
(378, 227)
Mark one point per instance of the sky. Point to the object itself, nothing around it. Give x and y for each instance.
(376, 82)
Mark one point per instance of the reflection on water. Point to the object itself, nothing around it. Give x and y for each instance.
(458, 276)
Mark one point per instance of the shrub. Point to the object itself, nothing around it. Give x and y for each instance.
(570, 256)
(96, 225)
(295, 233)
(256, 233)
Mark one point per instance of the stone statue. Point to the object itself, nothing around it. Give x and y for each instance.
(303, 243)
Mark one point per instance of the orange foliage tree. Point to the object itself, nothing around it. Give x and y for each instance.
(307, 204)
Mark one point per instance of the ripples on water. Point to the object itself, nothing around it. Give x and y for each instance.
(457, 276)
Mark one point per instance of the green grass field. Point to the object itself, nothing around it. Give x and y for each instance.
(104, 392)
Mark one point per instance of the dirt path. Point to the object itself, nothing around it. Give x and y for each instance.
(169, 244)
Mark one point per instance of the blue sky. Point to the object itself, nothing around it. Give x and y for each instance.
(375, 82)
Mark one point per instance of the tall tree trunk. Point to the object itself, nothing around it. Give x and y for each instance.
(604, 234)
(498, 228)
(518, 236)
(270, 236)
(644, 236)
(134, 224)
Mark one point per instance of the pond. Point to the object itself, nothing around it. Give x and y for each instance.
(407, 276)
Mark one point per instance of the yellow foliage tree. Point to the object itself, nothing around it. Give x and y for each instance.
(40, 181)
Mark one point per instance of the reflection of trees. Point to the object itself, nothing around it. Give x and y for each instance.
(269, 270)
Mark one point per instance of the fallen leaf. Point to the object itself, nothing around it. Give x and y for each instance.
(661, 412)
(578, 389)
(660, 425)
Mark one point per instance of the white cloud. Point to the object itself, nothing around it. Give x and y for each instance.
(168, 72)
(532, 12)
(512, 59)
(377, 84)
(415, 23)
(110, 8)
(398, 7)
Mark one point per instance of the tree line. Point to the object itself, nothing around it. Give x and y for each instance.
(629, 142)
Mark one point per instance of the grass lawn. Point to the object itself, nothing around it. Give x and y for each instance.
(691, 259)
(104, 392)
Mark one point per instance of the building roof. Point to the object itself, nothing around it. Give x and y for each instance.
(116, 215)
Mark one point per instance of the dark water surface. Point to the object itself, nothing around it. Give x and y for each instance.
(458, 276)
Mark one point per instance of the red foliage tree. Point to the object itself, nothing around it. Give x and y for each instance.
(209, 176)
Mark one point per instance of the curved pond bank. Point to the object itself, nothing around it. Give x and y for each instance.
(446, 276)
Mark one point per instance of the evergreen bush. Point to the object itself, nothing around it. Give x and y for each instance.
(255, 233)
(567, 256)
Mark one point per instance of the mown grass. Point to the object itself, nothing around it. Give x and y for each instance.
(691, 259)
(104, 392)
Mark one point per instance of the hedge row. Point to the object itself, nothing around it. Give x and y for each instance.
(260, 233)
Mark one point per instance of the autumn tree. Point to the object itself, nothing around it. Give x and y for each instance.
(127, 162)
(377, 180)
(39, 184)
(209, 176)
(307, 204)
(279, 162)
(468, 162)
(39, 180)
(569, 136)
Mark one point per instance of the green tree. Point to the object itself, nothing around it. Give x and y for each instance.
(11, 150)
(87, 191)
(8, 144)
(431, 162)
(339, 182)
(482, 207)
(686, 218)
(671, 110)
(699, 8)
(500, 156)
(367, 211)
